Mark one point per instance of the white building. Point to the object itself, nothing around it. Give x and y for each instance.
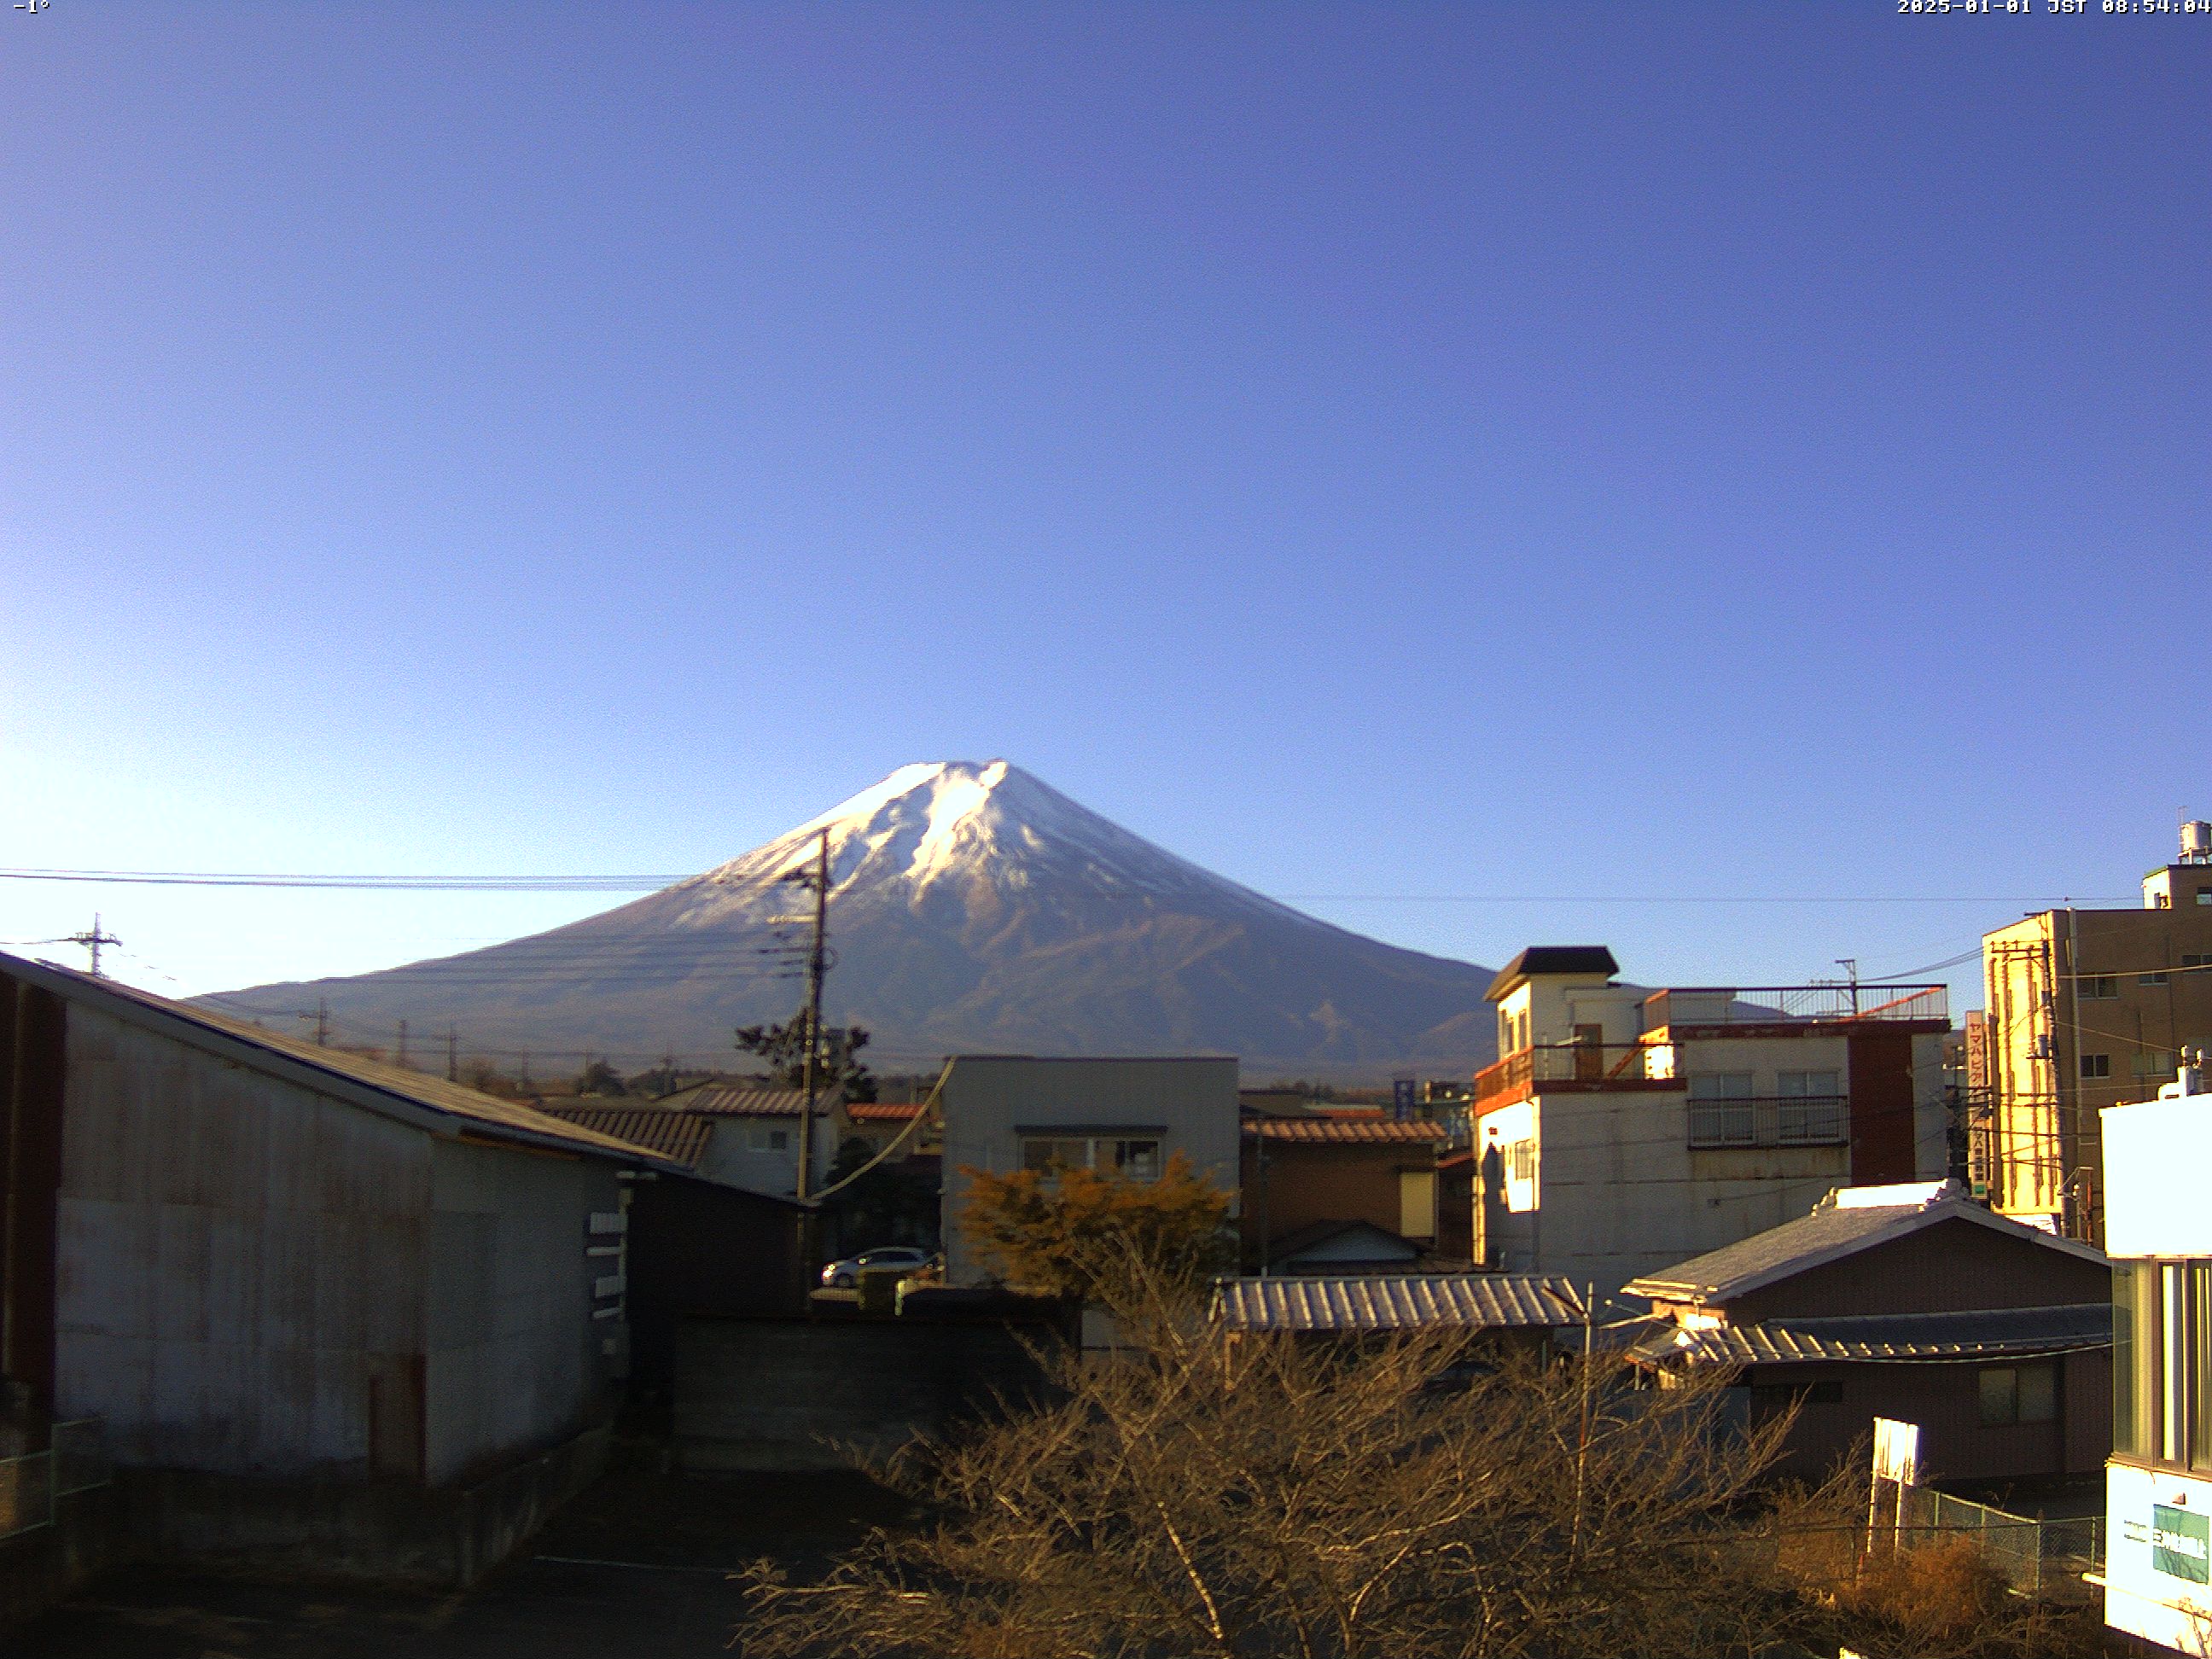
(1636, 1127)
(1008, 1112)
(2158, 1482)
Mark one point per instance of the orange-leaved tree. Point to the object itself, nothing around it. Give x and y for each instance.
(1076, 1233)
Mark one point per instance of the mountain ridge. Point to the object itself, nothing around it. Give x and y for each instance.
(972, 907)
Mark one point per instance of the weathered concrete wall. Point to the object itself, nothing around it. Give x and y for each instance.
(989, 1100)
(791, 1395)
(241, 1262)
(514, 1358)
(386, 1530)
(41, 1568)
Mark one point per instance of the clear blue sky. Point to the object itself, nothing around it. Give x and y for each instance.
(1568, 450)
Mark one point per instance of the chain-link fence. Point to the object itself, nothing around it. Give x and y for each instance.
(31, 1485)
(2042, 1557)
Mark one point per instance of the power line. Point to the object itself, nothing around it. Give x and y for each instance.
(638, 884)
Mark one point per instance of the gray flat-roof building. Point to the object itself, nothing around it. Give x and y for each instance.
(1007, 1112)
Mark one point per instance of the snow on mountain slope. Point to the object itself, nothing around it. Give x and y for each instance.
(972, 907)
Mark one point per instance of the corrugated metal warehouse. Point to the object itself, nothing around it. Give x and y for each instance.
(278, 1274)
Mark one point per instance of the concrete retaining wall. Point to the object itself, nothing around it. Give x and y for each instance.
(383, 1530)
(792, 1394)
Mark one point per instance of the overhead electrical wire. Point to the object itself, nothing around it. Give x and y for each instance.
(639, 883)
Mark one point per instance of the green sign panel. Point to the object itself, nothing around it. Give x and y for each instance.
(2181, 1544)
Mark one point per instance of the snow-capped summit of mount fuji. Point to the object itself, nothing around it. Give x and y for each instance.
(962, 823)
(972, 907)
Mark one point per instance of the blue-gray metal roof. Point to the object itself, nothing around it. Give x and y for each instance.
(1395, 1302)
(1979, 1334)
(1833, 1230)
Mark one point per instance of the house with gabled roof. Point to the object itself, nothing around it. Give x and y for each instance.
(1319, 1181)
(1910, 1302)
(327, 1313)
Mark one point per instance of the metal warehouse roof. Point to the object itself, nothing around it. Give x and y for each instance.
(1343, 1132)
(883, 1111)
(1390, 1301)
(1980, 1333)
(680, 1137)
(365, 1082)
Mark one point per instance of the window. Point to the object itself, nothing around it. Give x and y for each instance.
(2018, 1393)
(2093, 1066)
(2204, 895)
(1137, 1157)
(2162, 1362)
(2151, 1062)
(2096, 987)
(779, 1140)
(1721, 1110)
(2151, 979)
(1521, 1161)
(1811, 1109)
(2195, 958)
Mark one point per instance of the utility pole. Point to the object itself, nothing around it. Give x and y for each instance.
(322, 1023)
(452, 1054)
(1850, 966)
(403, 1042)
(92, 942)
(818, 964)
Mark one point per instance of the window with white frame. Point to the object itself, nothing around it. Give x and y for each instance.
(1810, 1109)
(1136, 1157)
(1722, 1113)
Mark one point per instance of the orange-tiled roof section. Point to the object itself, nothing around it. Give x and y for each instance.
(1344, 1132)
(883, 1111)
(680, 1137)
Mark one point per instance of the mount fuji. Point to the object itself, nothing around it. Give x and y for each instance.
(973, 907)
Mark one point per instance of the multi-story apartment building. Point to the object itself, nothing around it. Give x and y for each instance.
(2086, 1009)
(1634, 1127)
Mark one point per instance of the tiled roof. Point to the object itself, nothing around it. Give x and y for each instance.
(481, 1113)
(1981, 1334)
(883, 1111)
(1343, 1132)
(1836, 1229)
(680, 1137)
(1392, 1302)
(736, 1100)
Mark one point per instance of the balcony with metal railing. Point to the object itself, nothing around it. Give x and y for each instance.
(1562, 1067)
(1737, 1007)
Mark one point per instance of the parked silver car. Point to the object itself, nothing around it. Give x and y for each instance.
(843, 1275)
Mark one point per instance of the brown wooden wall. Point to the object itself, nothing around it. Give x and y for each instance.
(1309, 1181)
(1953, 1266)
(1945, 1401)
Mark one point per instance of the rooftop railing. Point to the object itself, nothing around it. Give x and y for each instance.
(1590, 1065)
(1776, 1005)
